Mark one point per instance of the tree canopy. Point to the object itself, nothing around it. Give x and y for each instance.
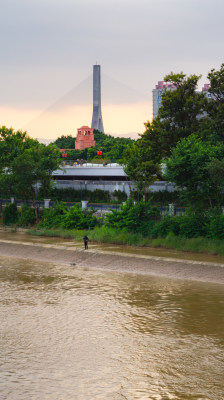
(24, 162)
(184, 112)
(195, 167)
(112, 147)
(65, 142)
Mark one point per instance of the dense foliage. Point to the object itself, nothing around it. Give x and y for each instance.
(135, 217)
(60, 216)
(23, 216)
(10, 214)
(65, 142)
(198, 169)
(188, 136)
(73, 195)
(112, 148)
(24, 162)
(138, 218)
(145, 219)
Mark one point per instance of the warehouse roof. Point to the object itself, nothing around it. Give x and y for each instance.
(91, 170)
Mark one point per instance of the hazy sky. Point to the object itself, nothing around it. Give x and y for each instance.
(48, 48)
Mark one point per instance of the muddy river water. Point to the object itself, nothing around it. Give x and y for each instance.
(78, 333)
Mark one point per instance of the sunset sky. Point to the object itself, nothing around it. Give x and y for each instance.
(48, 48)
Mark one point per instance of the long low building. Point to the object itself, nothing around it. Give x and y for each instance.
(97, 176)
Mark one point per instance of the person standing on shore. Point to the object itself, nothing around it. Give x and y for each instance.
(86, 239)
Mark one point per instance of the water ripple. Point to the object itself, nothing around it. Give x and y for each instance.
(68, 333)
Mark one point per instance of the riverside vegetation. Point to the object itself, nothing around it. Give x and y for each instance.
(183, 145)
(137, 224)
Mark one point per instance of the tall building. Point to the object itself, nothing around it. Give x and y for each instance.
(162, 86)
(205, 90)
(97, 120)
(157, 95)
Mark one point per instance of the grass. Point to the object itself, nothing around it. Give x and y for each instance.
(63, 233)
(194, 245)
(110, 235)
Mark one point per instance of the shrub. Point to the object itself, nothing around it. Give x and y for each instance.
(73, 195)
(119, 195)
(166, 225)
(215, 228)
(164, 197)
(193, 225)
(60, 216)
(26, 216)
(75, 218)
(139, 217)
(52, 217)
(10, 214)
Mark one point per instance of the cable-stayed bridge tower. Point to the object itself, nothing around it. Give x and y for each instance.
(97, 120)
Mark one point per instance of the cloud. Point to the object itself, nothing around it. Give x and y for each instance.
(48, 48)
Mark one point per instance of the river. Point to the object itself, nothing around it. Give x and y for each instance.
(78, 333)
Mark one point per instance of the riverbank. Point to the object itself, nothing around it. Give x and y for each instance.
(109, 235)
(73, 254)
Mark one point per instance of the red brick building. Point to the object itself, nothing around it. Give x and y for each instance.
(85, 138)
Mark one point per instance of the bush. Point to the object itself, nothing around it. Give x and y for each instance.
(73, 195)
(75, 218)
(138, 218)
(215, 228)
(52, 217)
(165, 226)
(60, 216)
(119, 195)
(26, 216)
(193, 225)
(164, 197)
(188, 226)
(10, 214)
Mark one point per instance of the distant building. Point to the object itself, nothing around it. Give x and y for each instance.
(205, 89)
(85, 138)
(98, 176)
(162, 86)
(157, 95)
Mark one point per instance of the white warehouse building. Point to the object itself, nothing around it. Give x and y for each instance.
(96, 176)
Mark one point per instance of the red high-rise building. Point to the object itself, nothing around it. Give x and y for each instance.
(85, 138)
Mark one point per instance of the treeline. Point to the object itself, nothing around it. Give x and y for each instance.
(138, 218)
(112, 148)
(104, 196)
(186, 138)
(24, 163)
(73, 195)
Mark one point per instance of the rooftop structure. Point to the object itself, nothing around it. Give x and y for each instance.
(97, 120)
(206, 87)
(85, 138)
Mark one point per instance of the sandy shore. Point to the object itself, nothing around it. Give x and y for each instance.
(148, 265)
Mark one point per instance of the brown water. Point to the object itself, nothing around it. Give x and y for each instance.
(69, 333)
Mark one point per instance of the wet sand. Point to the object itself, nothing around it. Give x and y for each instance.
(76, 256)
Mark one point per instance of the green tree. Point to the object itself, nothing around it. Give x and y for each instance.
(215, 106)
(32, 167)
(139, 217)
(181, 114)
(140, 167)
(191, 168)
(65, 142)
(25, 163)
(215, 169)
(12, 144)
